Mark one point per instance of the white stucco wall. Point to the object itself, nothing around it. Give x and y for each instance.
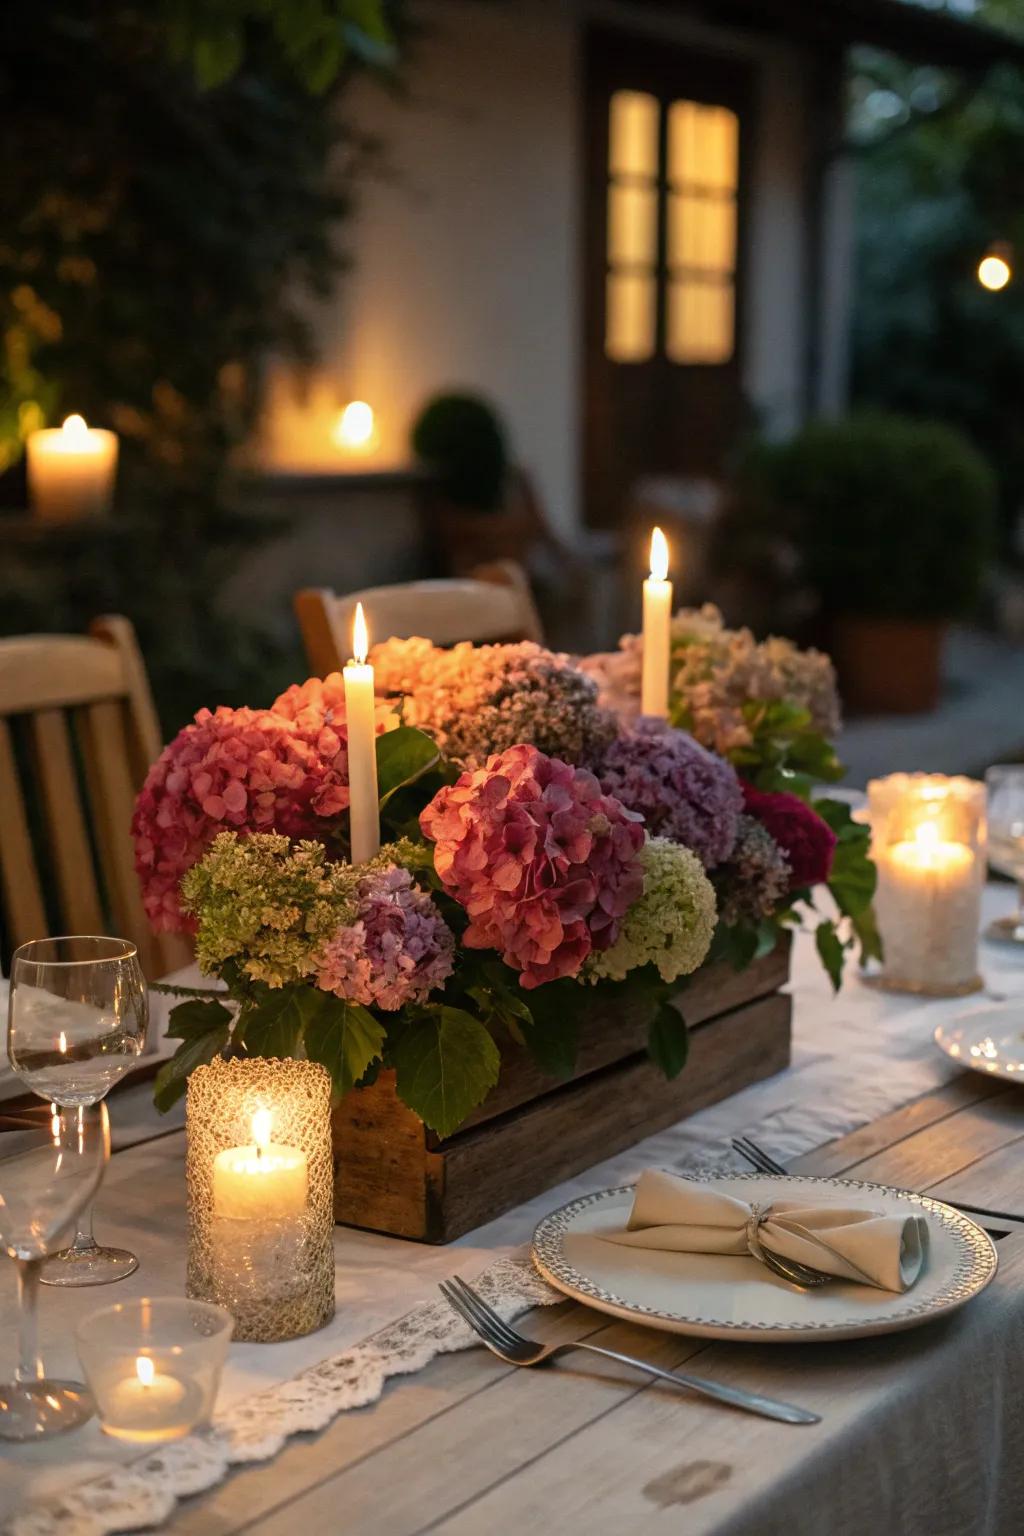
(467, 267)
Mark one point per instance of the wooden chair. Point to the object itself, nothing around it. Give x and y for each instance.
(98, 685)
(495, 603)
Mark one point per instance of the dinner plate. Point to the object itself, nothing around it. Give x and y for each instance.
(987, 1040)
(722, 1296)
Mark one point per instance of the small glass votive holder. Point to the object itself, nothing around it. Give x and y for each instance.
(154, 1365)
(928, 844)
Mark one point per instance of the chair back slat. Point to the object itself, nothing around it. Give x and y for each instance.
(495, 604)
(81, 908)
(23, 897)
(66, 858)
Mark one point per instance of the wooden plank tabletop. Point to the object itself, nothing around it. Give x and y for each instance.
(471, 1446)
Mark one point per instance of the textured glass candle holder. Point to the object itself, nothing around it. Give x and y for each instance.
(261, 1194)
(928, 841)
(154, 1365)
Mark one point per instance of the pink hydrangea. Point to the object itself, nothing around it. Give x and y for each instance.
(279, 770)
(398, 950)
(544, 863)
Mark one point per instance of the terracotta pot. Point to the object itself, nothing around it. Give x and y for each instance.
(889, 666)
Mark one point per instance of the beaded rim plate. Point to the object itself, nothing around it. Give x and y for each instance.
(727, 1297)
(989, 1040)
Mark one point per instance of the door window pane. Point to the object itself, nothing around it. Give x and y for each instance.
(629, 316)
(701, 232)
(632, 224)
(703, 146)
(633, 135)
(699, 320)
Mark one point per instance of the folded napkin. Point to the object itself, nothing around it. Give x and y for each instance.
(868, 1247)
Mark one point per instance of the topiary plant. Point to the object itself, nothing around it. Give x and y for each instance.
(890, 516)
(461, 440)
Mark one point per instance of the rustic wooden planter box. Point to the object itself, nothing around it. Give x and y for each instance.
(393, 1175)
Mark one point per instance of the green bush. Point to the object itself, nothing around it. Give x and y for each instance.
(460, 439)
(888, 515)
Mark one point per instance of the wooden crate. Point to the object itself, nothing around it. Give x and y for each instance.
(393, 1175)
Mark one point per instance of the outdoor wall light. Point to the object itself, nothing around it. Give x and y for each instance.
(355, 430)
(994, 268)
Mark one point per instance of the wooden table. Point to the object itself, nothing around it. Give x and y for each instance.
(470, 1446)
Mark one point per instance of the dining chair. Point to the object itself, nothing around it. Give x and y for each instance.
(495, 603)
(76, 711)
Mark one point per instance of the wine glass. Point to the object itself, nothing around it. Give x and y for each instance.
(48, 1175)
(1005, 784)
(78, 1014)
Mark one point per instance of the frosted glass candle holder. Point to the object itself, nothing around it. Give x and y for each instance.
(261, 1194)
(154, 1365)
(928, 842)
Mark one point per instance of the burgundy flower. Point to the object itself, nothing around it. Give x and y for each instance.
(544, 863)
(808, 842)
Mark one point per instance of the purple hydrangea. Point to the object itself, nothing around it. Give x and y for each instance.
(683, 791)
(397, 951)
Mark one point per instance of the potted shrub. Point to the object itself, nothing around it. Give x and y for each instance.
(891, 519)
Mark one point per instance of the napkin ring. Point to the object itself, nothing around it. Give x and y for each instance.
(756, 1220)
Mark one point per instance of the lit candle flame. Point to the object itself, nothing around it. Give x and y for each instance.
(927, 835)
(75, 428)
(262, 1121)
(145, 1370)
(659, 555)
(360, 638)
(62, 1044)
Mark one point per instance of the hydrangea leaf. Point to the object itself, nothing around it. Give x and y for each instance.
(345, 1038)
(551, 1029)
(196, 1017)
(832, 951)
(446, 1063)
(668, 1040)
(274, 1026)
(403, 756)
(196, 1050)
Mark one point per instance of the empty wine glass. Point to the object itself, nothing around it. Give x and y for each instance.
(78, 1014)
(48, 1175)
(1005, 784)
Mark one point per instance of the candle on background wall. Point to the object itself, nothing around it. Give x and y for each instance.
(657, 631)
(71, 471)
(361, 723)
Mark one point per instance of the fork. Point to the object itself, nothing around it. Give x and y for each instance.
(515, 1349)
(764, 1163)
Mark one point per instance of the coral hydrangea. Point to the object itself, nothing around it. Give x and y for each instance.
(808, 842)
(672, 923)
(476, 700)
(682, 791)
(266, 905)
(544, 863)
(756, 878)
(282, 770)
(398, 949)
(716, 672)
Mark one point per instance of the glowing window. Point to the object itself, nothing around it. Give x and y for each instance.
(631, 287)
(700, 249)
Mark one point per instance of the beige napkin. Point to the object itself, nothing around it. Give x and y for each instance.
(868, 1247)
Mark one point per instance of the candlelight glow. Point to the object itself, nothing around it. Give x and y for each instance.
(75, 430)
(994, 272)
(354, 428)
(659, 555)
(145, 1370)
(62, 1044)
(360, 638)
(262, 1121)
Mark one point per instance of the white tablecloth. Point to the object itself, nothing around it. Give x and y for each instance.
(855, 1057)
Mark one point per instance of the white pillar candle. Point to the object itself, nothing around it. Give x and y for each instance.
(654, 690)
(928, 905)
(361, 724)
(71, 471)
(261, 1182)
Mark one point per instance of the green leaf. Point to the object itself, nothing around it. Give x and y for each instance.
(446, 1064)
(832, 951)
(668, 1040)
(196, 1017)
(403, 756)
(274, 1025)
(346, 1039)
(868, 936)
(197, 1050)
(552, 1039)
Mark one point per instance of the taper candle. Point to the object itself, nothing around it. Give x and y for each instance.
(361, 721)
(654, 688)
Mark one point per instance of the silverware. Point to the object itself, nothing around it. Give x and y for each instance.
(515, 1349)
(764, 1163)
(800, 1275)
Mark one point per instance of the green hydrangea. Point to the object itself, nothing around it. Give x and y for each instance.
(270, 905)
(670, 926)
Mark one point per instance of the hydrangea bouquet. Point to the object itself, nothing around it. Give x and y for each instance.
(543, 850)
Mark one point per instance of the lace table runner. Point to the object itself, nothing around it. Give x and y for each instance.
(144, 1492)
